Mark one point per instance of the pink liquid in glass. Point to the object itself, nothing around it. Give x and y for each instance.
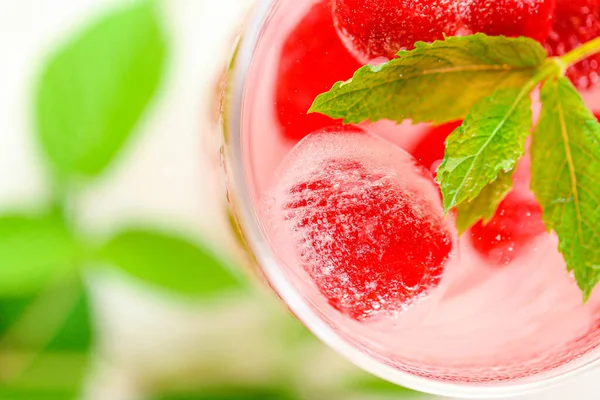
(494, 317)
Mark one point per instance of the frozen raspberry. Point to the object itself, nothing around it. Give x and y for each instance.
(518, 220)
(366, 221)
(576, 22)
(379, 28)
(312, 60)
(430, 149)
(532, 18)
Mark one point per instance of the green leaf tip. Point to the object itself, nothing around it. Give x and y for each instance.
(485, 204)
(168, 261)
(489, 142)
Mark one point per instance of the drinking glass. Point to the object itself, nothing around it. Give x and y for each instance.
(485, 332)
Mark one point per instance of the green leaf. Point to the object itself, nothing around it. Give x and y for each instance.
(565, 171)
(437, 82)
(44, 341)
(75, 334)
(51, 374)
(34, 250)
(93, 90)
(11, 393)
(170, 262)
(485, 204)
(490, 141)
(62, 309)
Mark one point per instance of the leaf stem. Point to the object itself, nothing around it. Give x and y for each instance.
(550, 67)
(585, 50)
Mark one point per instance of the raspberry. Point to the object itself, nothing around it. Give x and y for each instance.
(532, 18)
(518, 220)
(431, 147)
(372, 238)
(312, 59)
(576, 22)
(379, 28)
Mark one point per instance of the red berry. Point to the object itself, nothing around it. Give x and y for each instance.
(518, 220)
(431, 147)
(576, 22)
(532, 18)
(371, 240)
(312, 60)
(379, 28)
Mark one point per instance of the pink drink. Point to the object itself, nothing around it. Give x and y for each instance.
(488, 328)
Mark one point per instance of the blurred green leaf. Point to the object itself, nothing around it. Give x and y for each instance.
(33, 250)
(95, 88)
(11, 309)
(64, 307)
(75, 334)
(51, 375)
(169, 262)
(8, 393)
(44, 343)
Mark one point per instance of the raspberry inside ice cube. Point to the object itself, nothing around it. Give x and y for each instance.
(379, 28)
(363, 219)
(514, 18)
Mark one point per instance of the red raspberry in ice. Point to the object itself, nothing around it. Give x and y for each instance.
(430, 149)
(532, 18)
(518, 220)
(576, 22)
(370, 240)
(379, 28)
(312, 59)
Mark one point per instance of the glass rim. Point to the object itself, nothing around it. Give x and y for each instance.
(248, 221)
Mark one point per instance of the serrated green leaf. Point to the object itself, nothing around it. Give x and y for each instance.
(485, 204)
(93, 90)
(490, 141)
(437, 82)
(34, 250)
(169, 262)
(565, 166)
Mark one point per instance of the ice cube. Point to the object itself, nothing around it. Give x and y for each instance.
(361, 218)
